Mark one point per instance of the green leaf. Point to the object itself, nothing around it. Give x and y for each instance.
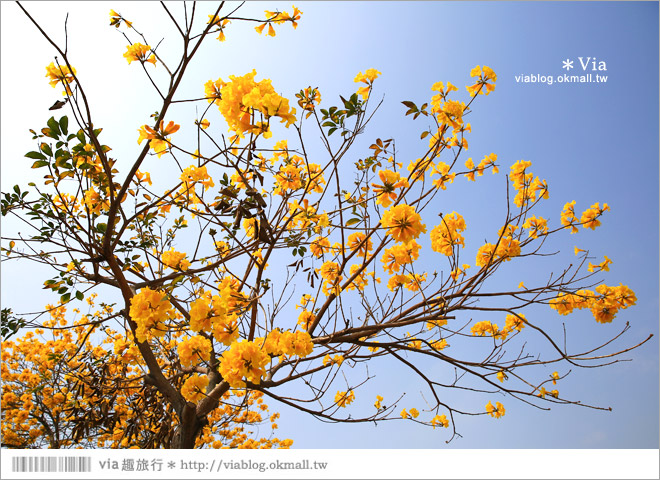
(39, 164)
(80, 295)
(54, 127)
(35, 155)
(64, 124)
(101, 227)
(46, 149)
(352, 221)
(65, 298)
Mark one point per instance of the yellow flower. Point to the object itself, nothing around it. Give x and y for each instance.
(501, 376)
(175, 260)
(555, 377)
(138, 52)
(193, 388)
(496, 411)
(536, 226)
(590, 216)
(194, 349)
(158, 138)
(414, 412)
(485, 255)
(603, 266)
(116, 19)
(568, 218)
(390, 182)
(60, 73)
(446, 235)
(485, 328)
(150, 309)
(377, 404)
(482, 86)
(305, 319)
(243, 360)
(344, 398)
(399, 255)
(368, 78)
(403, 224)
(243, 100)
(440, 420)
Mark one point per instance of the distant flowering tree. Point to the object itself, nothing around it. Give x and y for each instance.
(206, 330)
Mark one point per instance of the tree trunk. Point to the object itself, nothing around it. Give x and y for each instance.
(190, 425)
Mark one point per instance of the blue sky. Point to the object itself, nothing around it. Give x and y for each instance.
(593, 142)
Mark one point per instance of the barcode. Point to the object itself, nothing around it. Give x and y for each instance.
(51, 464)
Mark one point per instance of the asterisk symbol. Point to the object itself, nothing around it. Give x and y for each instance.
(568, 64)
(171, 465)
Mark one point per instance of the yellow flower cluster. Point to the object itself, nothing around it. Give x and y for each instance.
(414, 413)
(139, 52)
(336, 360)
(482, 86)
(159, 142)
(400, 254)
(329, 271)
(496, 411)
(360, 281)
(211, 313)
(61, 73)
(344, 398)
(116, 19)
(367, 78)
(507, 247)
(193, 349)
(244, 360)
(604, 303)
(305, 319)
(305, 217)
(602, 266)
(403, 224)
(175, 260)
(486, 328)
(479, 169)
(526, 185)
(319, 246)
(536, 226)
(590, 216)
(446, 235)
(279, 17)
(288, 343)
(192, 176)
(221, 24)
(358, 242)
(193, 388)
(150, 309)
(386, 192)
(95, 203)
(440, 420)
(411, 281)
(242, 100)
(543, 392)
(442, 169)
